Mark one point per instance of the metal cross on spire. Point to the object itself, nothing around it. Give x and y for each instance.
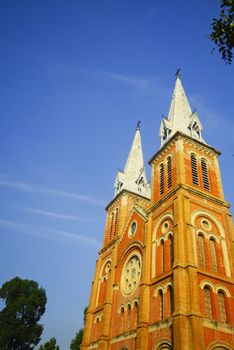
(178, 73)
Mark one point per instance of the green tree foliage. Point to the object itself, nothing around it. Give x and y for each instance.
(24, 305)
(223, 30)
(50, 345)
(77, 340)
(84, 312)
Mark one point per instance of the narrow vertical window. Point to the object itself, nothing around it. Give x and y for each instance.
(208, 307)
(162, 257)
(129, 316)
(160, 304)
(111, 225)
(122, 318)
(205, 176)
(136, 309)
(169, 175)
(194, 170)
(116, 219)
(171, 250)
(161, 178)
(213, 255)
(222, 307)
(201, 250)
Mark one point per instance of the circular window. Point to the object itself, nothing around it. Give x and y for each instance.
(107, 268)
(206, 225)
(132, 229)
(131, 275)
(165, 226)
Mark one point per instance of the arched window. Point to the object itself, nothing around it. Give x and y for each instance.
(194, 170)
(171, 250)
(169, 175)
(160, 304)
(205, 176)
(201, 250)
(129, 316)
(161, 178)
(222, 306)
(208, 306)
(136, 313)
(164, 346)
(116, 218)
(213, 255)
(122, 318)
(162, 252)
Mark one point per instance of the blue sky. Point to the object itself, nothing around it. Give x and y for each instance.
(75, 77)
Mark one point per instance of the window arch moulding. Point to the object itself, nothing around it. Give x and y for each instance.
(222, 234)
(168, 216)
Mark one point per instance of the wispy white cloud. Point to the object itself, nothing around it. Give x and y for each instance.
(4, 182)
(135, 82)
(45, 232)
(56, 215)
(147, 86)
(14, 184)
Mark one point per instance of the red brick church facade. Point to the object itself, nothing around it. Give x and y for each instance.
(164, 277)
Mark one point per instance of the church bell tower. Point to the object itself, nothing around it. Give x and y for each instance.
(164, 277)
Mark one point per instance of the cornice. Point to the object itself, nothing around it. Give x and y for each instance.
(217, 276)
(108, 246)
(122, 193)
(197, 192)
(181, 136)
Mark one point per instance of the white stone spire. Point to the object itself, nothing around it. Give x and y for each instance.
(180, 117)
(133, 178)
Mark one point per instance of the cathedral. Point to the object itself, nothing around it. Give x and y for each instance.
(164, 277)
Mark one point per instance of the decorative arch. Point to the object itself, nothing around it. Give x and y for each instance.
(169, 216)
(129, 305)
(222, 234)
(219, 288)
(220, 345)
(103, 265)
(168, 235)
(215, 288)
(163, 344)
(161, 287)
(193, 152)
(210, 216)
(206, 283)
(121, 308)
(103, 278)
(212, 236)
(161, 241)
(137, 245)
(201, 232)
(98, 318)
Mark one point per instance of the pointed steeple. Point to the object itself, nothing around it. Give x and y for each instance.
(180, 117)
(133, 178)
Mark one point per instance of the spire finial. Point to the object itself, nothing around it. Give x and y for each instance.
(177, 73)
(138, 124)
